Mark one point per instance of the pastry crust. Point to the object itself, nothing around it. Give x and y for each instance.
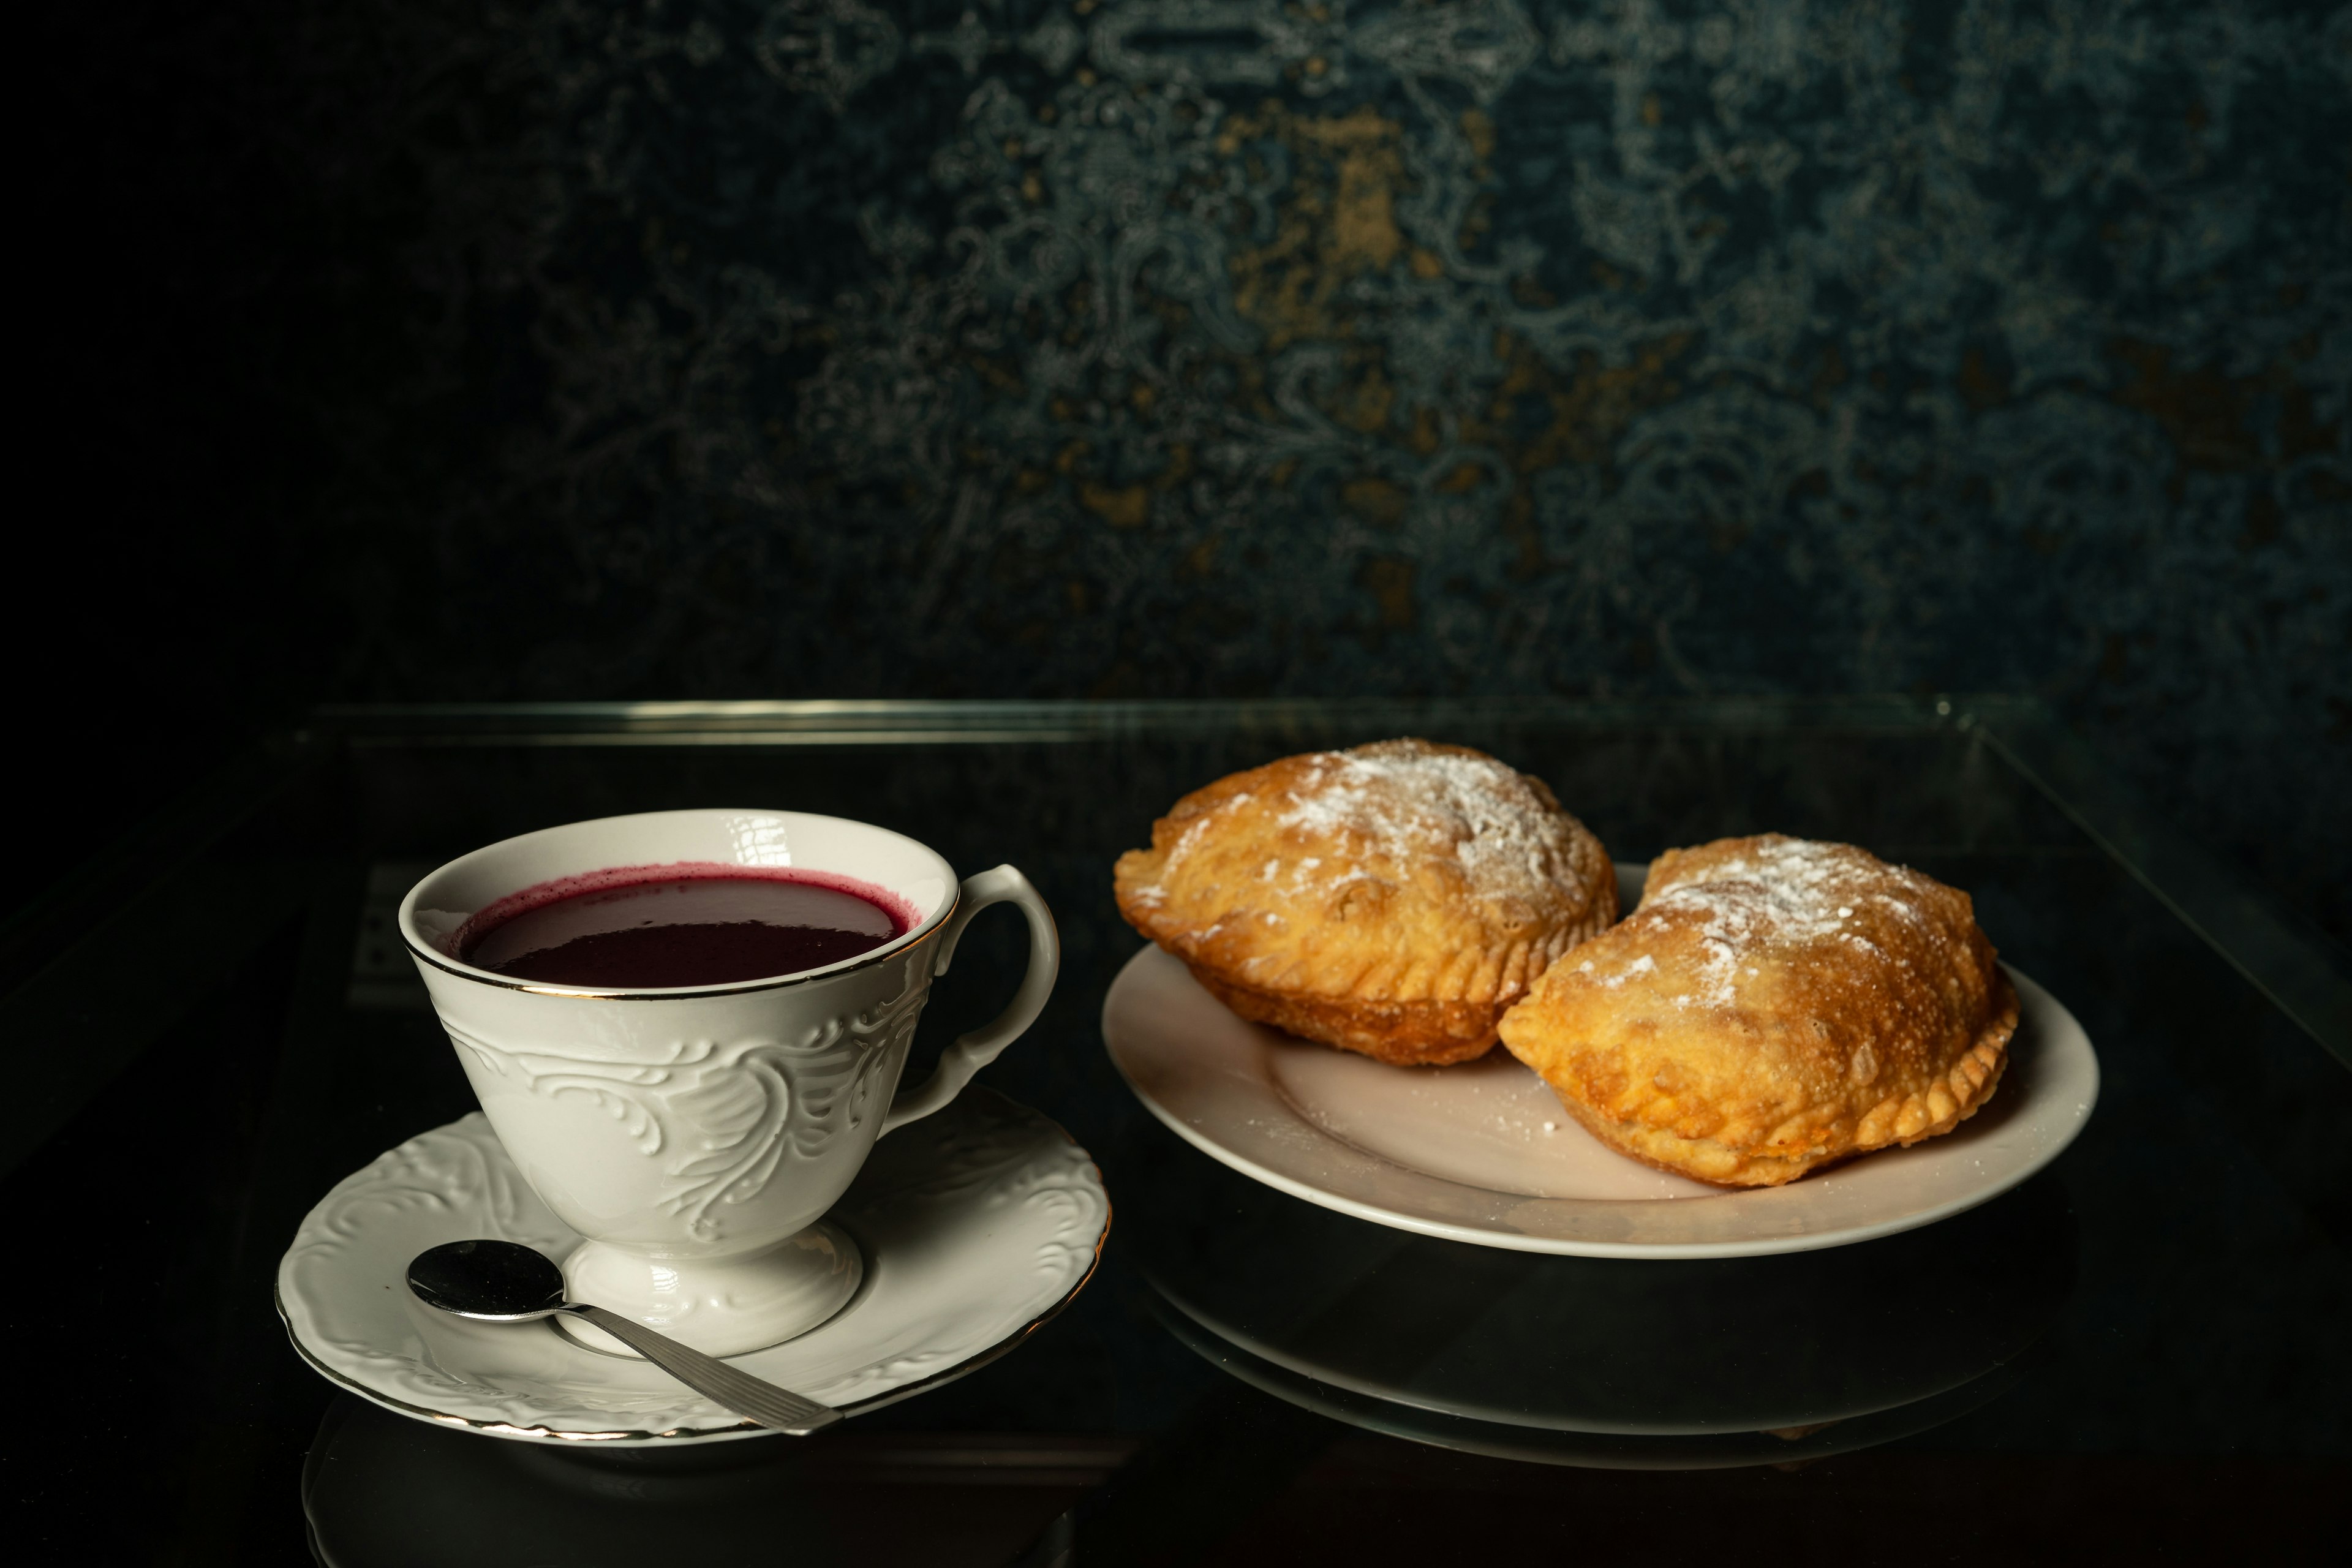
(1393, 900)
(1773, 1006)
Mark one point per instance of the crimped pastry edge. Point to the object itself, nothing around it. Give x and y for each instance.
(1466, 974)
(1990, 1051)
(1401, 1033)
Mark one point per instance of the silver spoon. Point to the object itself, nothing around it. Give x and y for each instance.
(506, 1282)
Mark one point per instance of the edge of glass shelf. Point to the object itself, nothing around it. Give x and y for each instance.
(932, 722)
(2303, 972)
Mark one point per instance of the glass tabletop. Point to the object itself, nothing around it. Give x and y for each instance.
(2140, 1348)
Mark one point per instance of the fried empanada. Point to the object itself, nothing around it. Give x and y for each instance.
(1773, 1006)
(1392, 900)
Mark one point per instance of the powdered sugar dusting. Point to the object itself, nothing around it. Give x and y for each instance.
(1782, 890)
(1644, 964)
(1407, 801)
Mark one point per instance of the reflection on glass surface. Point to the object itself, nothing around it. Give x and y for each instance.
(1591, 1360)
(383, 1490)
(1594, 1450)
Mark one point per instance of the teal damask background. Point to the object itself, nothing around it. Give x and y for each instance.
(1184, 347)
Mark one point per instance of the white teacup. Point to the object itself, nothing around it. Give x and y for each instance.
(695, 1136)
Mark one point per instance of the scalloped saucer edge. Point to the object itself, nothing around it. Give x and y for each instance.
(980, 1224)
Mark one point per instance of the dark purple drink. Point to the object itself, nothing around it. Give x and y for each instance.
(644, 927)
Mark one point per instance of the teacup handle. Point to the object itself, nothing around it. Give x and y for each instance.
(975, 1050)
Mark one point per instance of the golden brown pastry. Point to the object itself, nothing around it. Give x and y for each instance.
(1392, 900)
(1771, 1006)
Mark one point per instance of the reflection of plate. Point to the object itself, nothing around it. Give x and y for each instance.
(1587, 1450)
(1665, 1349)
(1483, 1152)
(977, 1224)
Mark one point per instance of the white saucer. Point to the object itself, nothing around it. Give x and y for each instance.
(978, 1223)
(1483, 1152)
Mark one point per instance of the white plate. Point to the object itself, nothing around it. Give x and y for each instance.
(1483, 1152)
(978, 1223)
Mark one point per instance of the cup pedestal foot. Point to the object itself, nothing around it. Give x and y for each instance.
(721, 1306)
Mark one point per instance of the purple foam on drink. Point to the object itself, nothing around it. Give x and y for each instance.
(682, 924)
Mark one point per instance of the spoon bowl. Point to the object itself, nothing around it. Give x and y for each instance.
(506, 1282)
(497, 1281)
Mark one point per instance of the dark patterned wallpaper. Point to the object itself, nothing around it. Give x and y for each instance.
(1178, 347)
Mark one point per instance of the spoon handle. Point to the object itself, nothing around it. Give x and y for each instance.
(760, 1400)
